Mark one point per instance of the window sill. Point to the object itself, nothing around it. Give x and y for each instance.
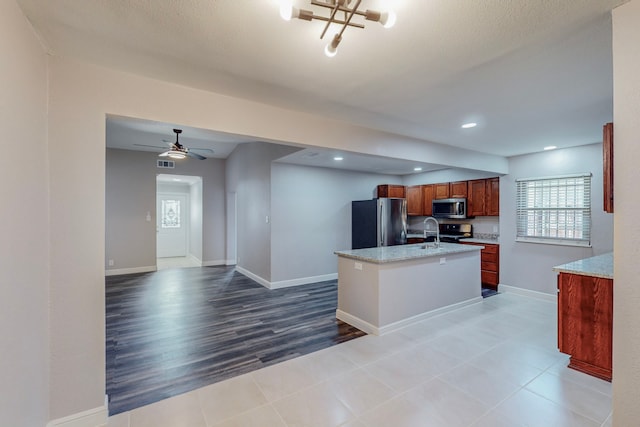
(556, 242)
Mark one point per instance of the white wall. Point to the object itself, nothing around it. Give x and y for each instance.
(528, 265)
(196, 197)
(24, 224)
(131, 193)
(311, 217)
(626, 318)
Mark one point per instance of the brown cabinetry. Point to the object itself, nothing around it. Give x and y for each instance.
(388, 190)
(607, 154)
(492, 196)
(428, 194)
(458, 189)
(476, 197)
(441, 191)
(414, 200)
(585, 314)
(489, 264)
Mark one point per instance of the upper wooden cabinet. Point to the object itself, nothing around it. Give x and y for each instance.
(441, 190)
(607, 154)
(428, 194)
(414, 200)
(458, 189)
(476, 198)
(492, 196)
(388, 190)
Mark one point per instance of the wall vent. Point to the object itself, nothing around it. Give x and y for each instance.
(166, 164)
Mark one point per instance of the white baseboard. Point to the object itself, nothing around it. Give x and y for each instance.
(303, 281)
(230, 262)
(119, 271)
(213, 263)
(92, 418)
(375, 330)
(286, 283)
(528, 293)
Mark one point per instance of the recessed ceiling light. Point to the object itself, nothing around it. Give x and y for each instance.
(418, 169)
(469, 125)
(550, 147)
(338, 158)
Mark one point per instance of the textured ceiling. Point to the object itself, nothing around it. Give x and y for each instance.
(530, 73)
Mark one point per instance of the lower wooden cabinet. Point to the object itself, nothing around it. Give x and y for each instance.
(489, 264)
(585, 323)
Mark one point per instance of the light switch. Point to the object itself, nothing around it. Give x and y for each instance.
(358, 266)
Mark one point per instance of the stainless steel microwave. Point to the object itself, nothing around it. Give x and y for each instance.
(450, 208)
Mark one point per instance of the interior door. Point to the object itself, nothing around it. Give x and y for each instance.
(172, 225)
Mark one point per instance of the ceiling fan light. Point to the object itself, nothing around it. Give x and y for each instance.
(388, 18)
(287, 11)
(332, 48)
(176, 154)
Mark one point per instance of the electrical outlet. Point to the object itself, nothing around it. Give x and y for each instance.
(358, 266)
(495, 228)
(443, 261)
(111, 263)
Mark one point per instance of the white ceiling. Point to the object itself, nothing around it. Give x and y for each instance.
(530, 73)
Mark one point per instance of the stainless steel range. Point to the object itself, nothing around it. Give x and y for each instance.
(452, 233)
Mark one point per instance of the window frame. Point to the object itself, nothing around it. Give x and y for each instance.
(553, 213)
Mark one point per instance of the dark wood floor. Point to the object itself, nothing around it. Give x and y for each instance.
(172, 331)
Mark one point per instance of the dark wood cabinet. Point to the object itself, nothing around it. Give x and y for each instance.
(412, 240)
(476, 198)
(489, 264)
(389, 190)
(492, 197)
(441, 191)
(428, 194)
(458, 189)
(414, 201)
(585, 328)
(607, 162)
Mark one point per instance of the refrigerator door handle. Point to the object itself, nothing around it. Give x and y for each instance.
(381, 224)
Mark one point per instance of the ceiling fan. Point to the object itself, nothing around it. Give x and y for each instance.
(177, 150)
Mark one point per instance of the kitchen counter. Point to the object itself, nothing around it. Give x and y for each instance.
(386, 254)
(387, 288)
(597, 266)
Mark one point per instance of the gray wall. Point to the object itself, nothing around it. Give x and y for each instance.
(131, 192)
(24, 225)
(311, 217)
(528, 265)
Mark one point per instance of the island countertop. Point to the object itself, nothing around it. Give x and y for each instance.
(385, 254)
(597, 266)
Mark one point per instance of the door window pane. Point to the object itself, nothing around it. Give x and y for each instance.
(170, 214)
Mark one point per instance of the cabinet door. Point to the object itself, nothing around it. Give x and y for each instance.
(492, 198)
(414, 200)
(428, 194)
(607, 154)
(458, 189)
(389, 190)
(442, 190)
(476, 199)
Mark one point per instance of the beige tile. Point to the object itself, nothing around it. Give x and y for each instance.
(446, 405)
(526, 408)
(179, 411)
(438, 362)
(403, 370)
(327, 363)
(360, 391)
(561, 370)
(283, 379)
(230, 398)
(317, 406)
(512, 371)
(608, 422)
(484, 383)
(398, 412)
(579, 399)
(120, 420)
(264, 416)
(371, 348)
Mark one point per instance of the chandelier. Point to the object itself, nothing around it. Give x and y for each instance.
(340, 12)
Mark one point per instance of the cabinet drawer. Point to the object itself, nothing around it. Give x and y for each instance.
(489, 257)
(411, 240)
(489, 277)
(489, 266)
(490, 249)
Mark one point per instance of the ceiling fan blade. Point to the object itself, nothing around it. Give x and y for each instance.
(151, 146)
(195, 155)
(206, 150)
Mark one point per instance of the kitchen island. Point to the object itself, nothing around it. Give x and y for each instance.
(386, 288)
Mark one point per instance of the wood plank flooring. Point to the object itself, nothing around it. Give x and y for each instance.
(172, 331)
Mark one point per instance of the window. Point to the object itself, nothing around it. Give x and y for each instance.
(170, 214)
(555, 210)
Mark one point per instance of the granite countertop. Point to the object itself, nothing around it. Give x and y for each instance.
(597, 266)
(387, 254)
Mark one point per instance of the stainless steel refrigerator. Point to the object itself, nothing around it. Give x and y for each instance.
(378, 222)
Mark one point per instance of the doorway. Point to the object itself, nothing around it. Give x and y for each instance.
(178, 221)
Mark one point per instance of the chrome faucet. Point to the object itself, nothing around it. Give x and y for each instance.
(437, 229)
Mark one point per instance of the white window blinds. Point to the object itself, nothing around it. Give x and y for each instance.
(555, 210)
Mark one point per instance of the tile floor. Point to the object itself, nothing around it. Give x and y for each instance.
(176, 262)
(492, 364)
